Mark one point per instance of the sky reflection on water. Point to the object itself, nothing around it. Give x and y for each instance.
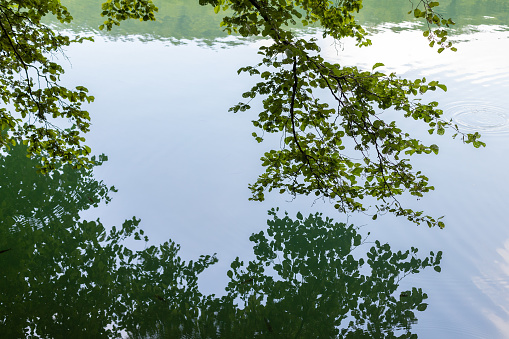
(182, 163)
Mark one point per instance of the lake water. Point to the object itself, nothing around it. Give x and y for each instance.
(182, 162)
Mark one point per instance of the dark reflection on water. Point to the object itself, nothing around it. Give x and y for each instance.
(55, 277)
(306, 283)
(65, 278)
(62, 277)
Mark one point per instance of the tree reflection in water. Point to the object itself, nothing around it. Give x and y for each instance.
(62, 277)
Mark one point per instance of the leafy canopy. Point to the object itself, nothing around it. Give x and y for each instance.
(33, 104)
(345, 151)
(348, 150)
(31, 97)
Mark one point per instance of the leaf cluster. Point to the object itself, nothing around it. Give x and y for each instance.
(350, 149)
(116, 11)
(425, 10)
(31, 97)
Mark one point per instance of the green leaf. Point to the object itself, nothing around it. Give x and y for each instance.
(443, 87)
(422, 307)
(434, 148)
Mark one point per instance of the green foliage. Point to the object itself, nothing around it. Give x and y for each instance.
(465, 12)
(349, 150)
(176, 20)
(159, 292)
(344, 151)
(118, 10)
(63, 277)
(305, 282)
(181, 20)
(31, 96)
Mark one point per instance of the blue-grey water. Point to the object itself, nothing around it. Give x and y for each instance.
(182, 162)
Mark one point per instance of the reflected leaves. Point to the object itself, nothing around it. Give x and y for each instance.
(64, 277)
(67, 278)
(306, 282)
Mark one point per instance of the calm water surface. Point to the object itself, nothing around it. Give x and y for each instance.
(182, 163)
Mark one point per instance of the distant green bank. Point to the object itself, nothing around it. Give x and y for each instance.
(186, 20)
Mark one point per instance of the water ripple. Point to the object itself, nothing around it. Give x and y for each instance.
(478, 116)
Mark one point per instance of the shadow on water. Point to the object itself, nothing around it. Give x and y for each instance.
(63, 277)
